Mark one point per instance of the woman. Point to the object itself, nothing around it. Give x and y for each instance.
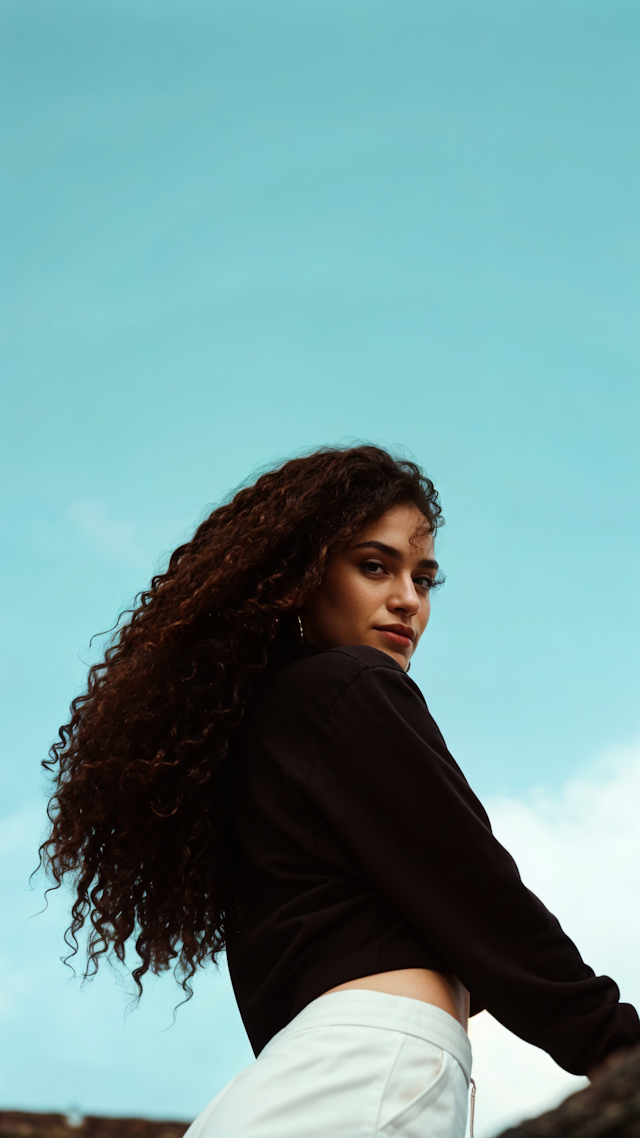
(252, 769)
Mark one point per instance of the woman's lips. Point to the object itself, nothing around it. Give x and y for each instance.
(395, 637)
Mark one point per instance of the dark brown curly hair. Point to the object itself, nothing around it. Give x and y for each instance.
(138, 813)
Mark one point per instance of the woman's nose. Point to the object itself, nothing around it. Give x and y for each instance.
(405, 597)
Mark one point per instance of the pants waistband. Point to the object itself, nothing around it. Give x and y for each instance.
(358, 1007)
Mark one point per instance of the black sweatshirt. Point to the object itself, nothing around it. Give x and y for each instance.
(359, 848)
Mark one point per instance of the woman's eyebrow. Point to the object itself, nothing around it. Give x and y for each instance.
(426, 563)
(388, 549)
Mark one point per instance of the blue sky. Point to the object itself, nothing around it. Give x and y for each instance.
(234, 231)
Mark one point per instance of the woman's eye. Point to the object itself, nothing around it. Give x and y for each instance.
(373, 567)
(425, 582)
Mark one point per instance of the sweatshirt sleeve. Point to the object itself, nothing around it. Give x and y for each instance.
(385, 782)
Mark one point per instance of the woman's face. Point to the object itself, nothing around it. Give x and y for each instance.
(376, 591)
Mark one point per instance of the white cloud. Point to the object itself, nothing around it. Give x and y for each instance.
(579, 850)
(111, 536)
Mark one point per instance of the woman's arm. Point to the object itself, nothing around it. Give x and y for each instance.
(384, 780)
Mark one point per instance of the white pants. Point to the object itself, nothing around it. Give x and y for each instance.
(354, 1064)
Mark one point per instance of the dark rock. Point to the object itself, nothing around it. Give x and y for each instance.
(609, 1108)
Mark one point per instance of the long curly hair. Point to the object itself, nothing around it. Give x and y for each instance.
(138, 814)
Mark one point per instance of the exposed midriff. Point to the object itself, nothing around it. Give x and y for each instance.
(441, 989)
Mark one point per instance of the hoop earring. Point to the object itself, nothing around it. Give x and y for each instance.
(301, 629)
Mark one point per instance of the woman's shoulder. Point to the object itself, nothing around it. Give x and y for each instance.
(354, 701)
(336, 667)
(317, 679)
